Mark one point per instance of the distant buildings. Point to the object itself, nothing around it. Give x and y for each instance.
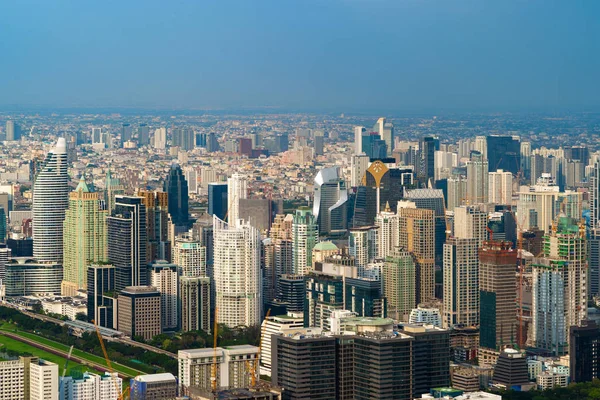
(237, 188)
(330, 202)
(176, 188)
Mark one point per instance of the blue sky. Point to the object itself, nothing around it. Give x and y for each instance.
(348, 55)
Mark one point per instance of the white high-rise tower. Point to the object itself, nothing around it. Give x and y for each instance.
(50, 200)
(237, 188)
(236, 273)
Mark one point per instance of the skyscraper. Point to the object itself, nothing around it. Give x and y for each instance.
(399, 281)
(13, 131)
(143, 135)
(504, 152)
(417, 235)
(426, 167)
(359, 131)
(359, 165)
(330, 206)
(85, 237)
(362, 245)
(497, 304)
(127, 241)
(236, 273)
(560, 286)
(500, 187)
(112, 189)
(305, 235)
(177, 190)
(217, 199)
(139, 312)
(101, 307)
(461, 282)
(164, 277)
(157, 225)
(594, 239)
(50, 200)
(470, 223)
(237, 188)
(385, 130)
(477, 179)
(190, 256)
(126, 132)
(387, 221)
(195, 300)
(160, 138)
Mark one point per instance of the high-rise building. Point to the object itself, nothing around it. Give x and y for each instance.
(164, 277)
(153, 387)
(176, 188)
(184, 138)
(497, 299)
(359, 165)
(190, 257)
(423, 315)
(237, 253)
(158, 245)
(503, 152)
(127, 242)
(470, 223)
(237, 188)
(113, 188)
(139, 311)
(160, 138)
(275, 325)
(330, 206)
(12, 376)
(594, 239)
(385, 130)
(292, 292)
(560, 286)
(477, 179)
(387, 221)
(526, 159)
(85, 237)
(584, 352)
(13, 131)
(217, 200)
(43, 379)
(143, 132)
(195, 300)
(500, 187)
(461, 282)
(91, 386)
(101, 306)
(318, 143)
(417, 236)
(126, 132)
(305, 235)
(50, 201)
(5, 255)
(3, 224)
(362, 245)
(457, 191)
(399, 278)
(426, 166)
(28, 277)
(359, 131)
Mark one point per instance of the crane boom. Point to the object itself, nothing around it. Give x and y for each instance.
(108, 363)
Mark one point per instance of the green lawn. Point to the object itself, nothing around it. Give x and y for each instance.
(78, 353)
(23, 348)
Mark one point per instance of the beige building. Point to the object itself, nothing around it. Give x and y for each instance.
(139, 311)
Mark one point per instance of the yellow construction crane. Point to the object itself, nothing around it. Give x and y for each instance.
(254, 366)
(213, 370)
(120, 393)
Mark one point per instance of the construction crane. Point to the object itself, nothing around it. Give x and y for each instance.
(254, 366)
(213, 369)
(120, 394)
(65, 370)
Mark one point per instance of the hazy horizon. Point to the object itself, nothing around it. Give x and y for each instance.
(353, 56)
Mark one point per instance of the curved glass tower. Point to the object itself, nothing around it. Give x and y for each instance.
(50, 200)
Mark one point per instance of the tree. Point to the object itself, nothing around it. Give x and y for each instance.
(81, 316)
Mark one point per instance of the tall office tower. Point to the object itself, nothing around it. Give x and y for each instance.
(305, 234)
(594, 238)
(497, 299)
(359, 165)
(359, 131)
(160, 138)
(318, 143)
(13, 131)
(560, 285)
(85, 237)
(5, 255)
(500, 187)
(511, 369)
(212, 145)
(399, 278)
(143, 135)
(3, 224)
(432, 199)
(330, 206)
(184, 138)
(457, 191)
(43, 379)
(139, 312)
(195, 299)
(190, 256)
(191, 176)
(362, 245)
(481, 146)
(541, 165)
(237, 188)
(96, 135)
(217, 200)
(504, 152)
(417, 235)
(113, 188)
(584, 352)
(126, 132)
(237, 253)
(470, 223)
(127, 242)
(158, 245)
(526, 159)
(387, 221)
(461, 282)
(269, 270)
(164, 277)
(50, 201)
(385, 130)
(101, 307)
(275, 325)
(176, 188)
(477, 179)
(426, 166)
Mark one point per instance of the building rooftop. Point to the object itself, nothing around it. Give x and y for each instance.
(155, 377)
(325, 246)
